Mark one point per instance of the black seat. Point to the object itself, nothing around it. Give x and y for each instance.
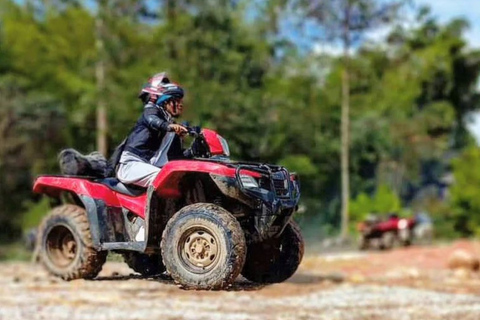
(116, 185)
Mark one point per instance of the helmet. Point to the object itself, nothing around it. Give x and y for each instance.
(170, 91)
(153, 85)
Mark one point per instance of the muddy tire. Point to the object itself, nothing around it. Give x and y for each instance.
(387, 240)
(275, 260)
(65, 244)
(203, 247)
(405, 237)
(145, 264)
(363, 242)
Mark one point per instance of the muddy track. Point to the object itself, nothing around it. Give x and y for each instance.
(367, 286)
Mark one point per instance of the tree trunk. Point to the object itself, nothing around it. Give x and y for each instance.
(345, 151)
(102, 121)
(171, 20)
(345, 124)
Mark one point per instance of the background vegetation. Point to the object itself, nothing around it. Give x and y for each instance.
(252, 71)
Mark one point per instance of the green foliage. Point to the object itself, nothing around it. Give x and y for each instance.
(14, 251)
(465, 199)
(382, 202)
(443, 217)
(35, 212)
(300, 164)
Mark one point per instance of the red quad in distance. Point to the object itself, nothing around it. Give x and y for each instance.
(386, 233)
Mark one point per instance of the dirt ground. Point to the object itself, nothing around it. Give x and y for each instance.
(411, 283)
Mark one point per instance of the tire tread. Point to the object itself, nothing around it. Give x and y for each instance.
(235, 233)
(90, 261)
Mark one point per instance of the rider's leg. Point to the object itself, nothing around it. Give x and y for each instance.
(137, 173)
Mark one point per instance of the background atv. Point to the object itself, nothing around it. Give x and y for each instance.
(386, 233)
(204, 221)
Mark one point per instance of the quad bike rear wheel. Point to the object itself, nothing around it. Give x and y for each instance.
(363, 242)
(277, 259)
(203, 247)
(145, 264)
(65, 244)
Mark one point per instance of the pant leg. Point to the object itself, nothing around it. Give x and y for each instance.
(137, 173)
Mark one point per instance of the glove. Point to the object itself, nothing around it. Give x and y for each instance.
(178, 129)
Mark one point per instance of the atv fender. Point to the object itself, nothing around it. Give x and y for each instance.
(54, 186)
(107, 219)
(167, 183)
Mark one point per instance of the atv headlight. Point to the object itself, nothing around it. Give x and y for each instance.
(248, 181)
(402, 224)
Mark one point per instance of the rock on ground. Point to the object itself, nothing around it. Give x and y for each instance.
(462, 259)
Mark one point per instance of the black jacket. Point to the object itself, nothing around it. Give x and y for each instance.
(148, 133)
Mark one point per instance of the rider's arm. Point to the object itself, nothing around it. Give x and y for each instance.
(155, 122)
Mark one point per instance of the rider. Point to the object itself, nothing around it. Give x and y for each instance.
(156, 138)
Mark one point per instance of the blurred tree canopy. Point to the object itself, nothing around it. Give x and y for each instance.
(384, 201)
(247, 77)
(466, 214)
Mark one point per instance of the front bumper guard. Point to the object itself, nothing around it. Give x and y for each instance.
(273, 207)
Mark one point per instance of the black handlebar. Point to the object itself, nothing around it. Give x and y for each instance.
(191, 131)
(194, 131)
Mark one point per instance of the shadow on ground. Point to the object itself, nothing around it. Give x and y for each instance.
(308, 278)
(241, 284)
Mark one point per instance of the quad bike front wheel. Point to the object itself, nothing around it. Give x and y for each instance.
(65, 244)
(275, 260)
(387, 240)
(405, 237)
(203, 247)
(145, 264)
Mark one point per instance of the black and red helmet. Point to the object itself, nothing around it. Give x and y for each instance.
(153, 85)
(170, 91)
(161, 86)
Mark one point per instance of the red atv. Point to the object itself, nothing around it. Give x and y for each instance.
(386, 233)
(204, 221)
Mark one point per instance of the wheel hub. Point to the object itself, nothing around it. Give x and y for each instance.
(69, 247)
(200, 249)
(61, 246)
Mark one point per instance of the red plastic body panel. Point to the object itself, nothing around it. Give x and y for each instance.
(54, 185)
(392, 224)
(167, 184)
(216, 148)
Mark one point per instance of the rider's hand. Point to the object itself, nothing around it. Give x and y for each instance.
(179, 129)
